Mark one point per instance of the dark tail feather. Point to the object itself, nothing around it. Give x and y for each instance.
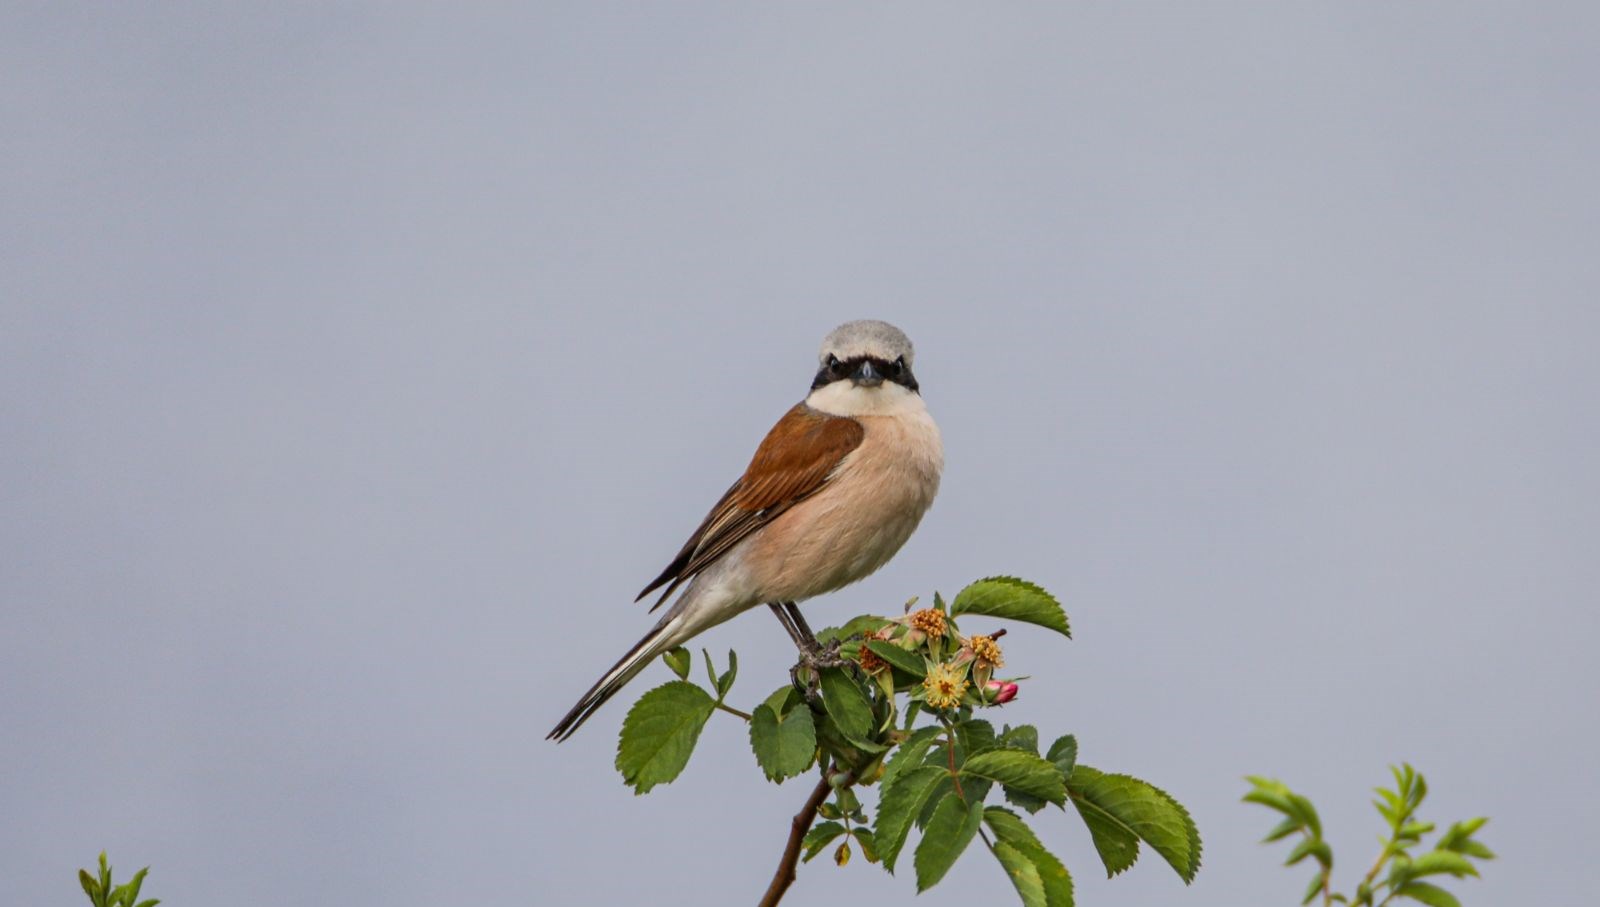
(637, 659)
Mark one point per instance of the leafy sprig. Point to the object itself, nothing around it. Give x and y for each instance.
(1451, 855)
(102, 893)
(899, 713)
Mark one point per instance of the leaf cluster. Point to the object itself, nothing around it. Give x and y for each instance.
(900, 714)
(1408, 867)
(102, 893)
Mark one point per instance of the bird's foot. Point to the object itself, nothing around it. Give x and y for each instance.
(807, 672)
(819, 656)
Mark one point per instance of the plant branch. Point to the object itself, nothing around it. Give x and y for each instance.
(732, 711)
(784, 877)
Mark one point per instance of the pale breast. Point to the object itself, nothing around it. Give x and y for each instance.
(862, 517)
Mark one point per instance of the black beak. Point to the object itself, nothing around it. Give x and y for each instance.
(866, 375)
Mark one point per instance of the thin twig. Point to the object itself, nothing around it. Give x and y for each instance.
(784, 877)
(732, 711)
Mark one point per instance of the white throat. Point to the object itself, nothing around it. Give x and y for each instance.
(844, 398)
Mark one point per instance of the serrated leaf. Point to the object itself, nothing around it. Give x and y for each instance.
(1117, 845)
(905, 660)
(1064, 753)
(1022, 737)
(1010, 828)
(974, 735)
(1432, 895)
(679, 660)
(1020, 771)
(1024, 875)
(908, 754)
(783, 748)
(899, 807)
(660, 732)
(1024, 801)
(949, 831)
(820, 836)
(1010, 598)
(1142, 809)
(847, 704)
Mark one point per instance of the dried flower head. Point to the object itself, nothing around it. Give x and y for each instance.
(986, 651)
(930, 621)
(944, 686)
(870, 662)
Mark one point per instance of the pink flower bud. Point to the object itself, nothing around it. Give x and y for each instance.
(1001, 691)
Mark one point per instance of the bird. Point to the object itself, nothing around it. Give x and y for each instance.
(833, 492)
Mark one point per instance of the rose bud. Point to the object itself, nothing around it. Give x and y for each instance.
(1000, 691)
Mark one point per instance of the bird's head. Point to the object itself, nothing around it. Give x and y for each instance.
(864, 366)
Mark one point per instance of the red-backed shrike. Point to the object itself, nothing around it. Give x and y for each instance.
(834, 490)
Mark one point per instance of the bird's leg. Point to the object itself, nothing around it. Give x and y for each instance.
(802, 641)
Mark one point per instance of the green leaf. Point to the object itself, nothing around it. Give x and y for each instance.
(1024, 875)
(1010, 598)
(1141, 809)
(898, 809)
(862, 624)
(725, 682)
(1022, 737)
(908, 754)
(869, 847)
(90, 886)
(1432, 895)
(660, 732)
(974, 735)
(1064, 753)
(949, 832)
(150, 903)
(1476, 849)
(133, 886)
(904, 659)
(782, 698)
(1010, 828)
(847, 704)
(1440, 861)
(1116, 844)
(1312, 890)
(784, 748)
(1284, 829)
(1311, 847)
(820, 836)
(1021, 771)
(679, 660)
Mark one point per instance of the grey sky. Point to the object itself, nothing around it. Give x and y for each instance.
(359, 364)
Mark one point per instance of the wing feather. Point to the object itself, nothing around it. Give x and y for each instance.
(794, 461)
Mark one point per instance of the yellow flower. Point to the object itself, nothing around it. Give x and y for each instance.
(944, 686)
(929, 621)
(986, 651)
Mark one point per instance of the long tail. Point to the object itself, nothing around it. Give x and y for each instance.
(665, 635)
